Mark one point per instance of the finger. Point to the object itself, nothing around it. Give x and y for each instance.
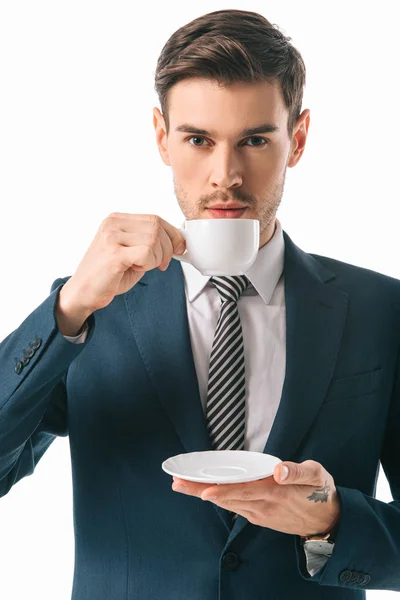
(167, 249)
(174, 234)
(248, 510)
(127, 222)
(261, 489)
(158, 239)
(151, 242)
(240, 506)
(133, 238)
(221, 492)
(169, 239)
(192, 488)
(308, 472)
(252, 511)
(248, 491)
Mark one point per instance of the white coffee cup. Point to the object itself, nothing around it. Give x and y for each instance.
(220, 246)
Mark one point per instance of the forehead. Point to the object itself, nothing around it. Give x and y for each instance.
(226, 107)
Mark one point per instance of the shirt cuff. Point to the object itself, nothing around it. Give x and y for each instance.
(317, 555)
(81, 337)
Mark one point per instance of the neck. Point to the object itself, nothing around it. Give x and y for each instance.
(268, 233)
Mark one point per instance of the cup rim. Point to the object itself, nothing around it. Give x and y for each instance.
(197, 220)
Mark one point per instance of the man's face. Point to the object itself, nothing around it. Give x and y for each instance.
(217, 161)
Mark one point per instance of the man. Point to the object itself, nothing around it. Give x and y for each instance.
(118, 357)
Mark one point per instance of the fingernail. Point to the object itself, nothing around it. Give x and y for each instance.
(180, 248)
(284, 472)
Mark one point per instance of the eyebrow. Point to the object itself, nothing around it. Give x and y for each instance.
(264, 128)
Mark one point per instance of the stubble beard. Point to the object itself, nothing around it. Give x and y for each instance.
(265, 209)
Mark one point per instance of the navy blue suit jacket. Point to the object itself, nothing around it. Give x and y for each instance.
(128, 398)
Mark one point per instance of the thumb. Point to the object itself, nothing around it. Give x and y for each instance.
(281, 473)
(308, 472)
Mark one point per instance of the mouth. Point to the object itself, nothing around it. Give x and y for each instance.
(231, 211)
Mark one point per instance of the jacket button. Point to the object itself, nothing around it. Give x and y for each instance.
(345, 576)
(28, 353)
(36, 343)
(230, 561)
(363, 579)
(18, 367)
(354, 577)
(25, 361)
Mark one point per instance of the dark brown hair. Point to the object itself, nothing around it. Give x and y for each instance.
(230, 46)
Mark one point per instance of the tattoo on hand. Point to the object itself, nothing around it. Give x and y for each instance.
(320, 494)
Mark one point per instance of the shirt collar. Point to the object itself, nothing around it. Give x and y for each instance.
(264, 274)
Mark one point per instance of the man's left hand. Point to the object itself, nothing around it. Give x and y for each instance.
(306, 502)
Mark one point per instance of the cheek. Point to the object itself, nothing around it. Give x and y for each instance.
(272, 172)
(265, 165)
(260, 173)
(187, 178)
(186, 168)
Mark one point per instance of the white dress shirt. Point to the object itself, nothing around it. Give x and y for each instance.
(262, 314)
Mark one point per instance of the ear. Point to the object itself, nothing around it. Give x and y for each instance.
(299, 138)
(161, 135)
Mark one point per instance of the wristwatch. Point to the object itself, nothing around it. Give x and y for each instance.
(311, 539)
(324, 538)
(318, 549)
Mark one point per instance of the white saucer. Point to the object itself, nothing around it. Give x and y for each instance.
(221, 466)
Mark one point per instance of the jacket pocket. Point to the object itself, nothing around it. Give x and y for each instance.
(355, 385)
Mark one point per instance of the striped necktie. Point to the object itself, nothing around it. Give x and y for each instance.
(226, 396)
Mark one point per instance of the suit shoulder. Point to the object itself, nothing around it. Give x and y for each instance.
(359, 275)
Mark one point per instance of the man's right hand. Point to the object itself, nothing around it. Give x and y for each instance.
(123, 249)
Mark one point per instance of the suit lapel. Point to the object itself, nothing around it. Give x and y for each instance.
(162, 334)
(315, 315)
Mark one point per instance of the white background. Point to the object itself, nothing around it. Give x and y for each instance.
(77, 142)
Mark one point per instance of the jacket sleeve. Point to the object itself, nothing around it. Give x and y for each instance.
(34, 361)
(366, 554)
(81, 338)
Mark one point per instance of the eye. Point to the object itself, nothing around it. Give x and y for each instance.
(196, 137)
(253, 138)
(257, 137)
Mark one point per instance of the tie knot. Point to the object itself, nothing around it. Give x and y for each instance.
(230, 288)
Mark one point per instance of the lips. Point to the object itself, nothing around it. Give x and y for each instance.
(226, 213)
(227, 206)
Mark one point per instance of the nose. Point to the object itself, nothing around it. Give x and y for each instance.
(225, 169)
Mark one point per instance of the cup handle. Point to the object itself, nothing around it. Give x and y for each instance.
(183, 257)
